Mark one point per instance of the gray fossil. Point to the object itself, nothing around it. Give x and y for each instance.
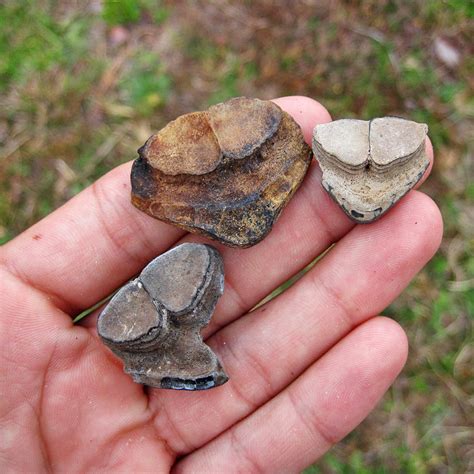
(153, 323)
(369, 165)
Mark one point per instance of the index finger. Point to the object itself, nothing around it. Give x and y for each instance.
(88, 247)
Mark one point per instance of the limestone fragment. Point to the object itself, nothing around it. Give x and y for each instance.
(226, 173)
(153, 323)
(369, 165)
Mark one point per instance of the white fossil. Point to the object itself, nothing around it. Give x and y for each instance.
(369, 165)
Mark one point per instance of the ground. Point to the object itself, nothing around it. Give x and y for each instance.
(84, 84)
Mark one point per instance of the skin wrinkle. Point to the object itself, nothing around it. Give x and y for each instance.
(105, 227)
(87, 347)
(224, 350)
(330, 235)
(242, 306)
(266, 389)
(9, 266)
(42, 447)
(332, 295)
(236, 442)
(39, 415)
(36, 416)
(316, 428)
(138, 425)
(131, 425)
(182, 444)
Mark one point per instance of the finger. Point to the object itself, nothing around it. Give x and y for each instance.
(321, 407)
(265, 350)
(87, 248)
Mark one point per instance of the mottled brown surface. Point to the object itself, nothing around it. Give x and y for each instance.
(153, 323)
(368, 166)
(241, 125)
(186, 145)
(264, 160)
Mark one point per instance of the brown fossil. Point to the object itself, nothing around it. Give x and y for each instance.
(369, 165)
(153, 323)
(226, 172)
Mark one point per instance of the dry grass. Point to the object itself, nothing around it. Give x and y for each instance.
(81, 87)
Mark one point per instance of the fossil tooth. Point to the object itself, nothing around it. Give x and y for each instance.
(227, 172)
(153, 323)
(369, 165)
(242, 125)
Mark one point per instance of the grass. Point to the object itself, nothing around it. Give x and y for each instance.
(81, 89)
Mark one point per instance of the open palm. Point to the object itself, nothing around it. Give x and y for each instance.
(304, 369)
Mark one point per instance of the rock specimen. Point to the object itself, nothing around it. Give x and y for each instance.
(369, 165)
(153, 323)
(226, 172)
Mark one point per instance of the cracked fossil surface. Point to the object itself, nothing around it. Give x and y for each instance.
(369, 165)
(226, 172)
(153, 323)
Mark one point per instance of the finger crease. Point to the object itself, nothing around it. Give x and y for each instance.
(333, 295)
(329, 235)
(161, 418)
(55, 299)
(44, 444)
(239, 301)
(311, 421)
(243, 453)
(246, 362)
(108, 233)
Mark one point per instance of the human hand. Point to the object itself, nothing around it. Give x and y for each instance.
(304, 369)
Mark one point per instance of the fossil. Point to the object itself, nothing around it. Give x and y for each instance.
(227, 172)
(369, 165)
(153, 322)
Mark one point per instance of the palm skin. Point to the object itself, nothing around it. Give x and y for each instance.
(305, 368)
